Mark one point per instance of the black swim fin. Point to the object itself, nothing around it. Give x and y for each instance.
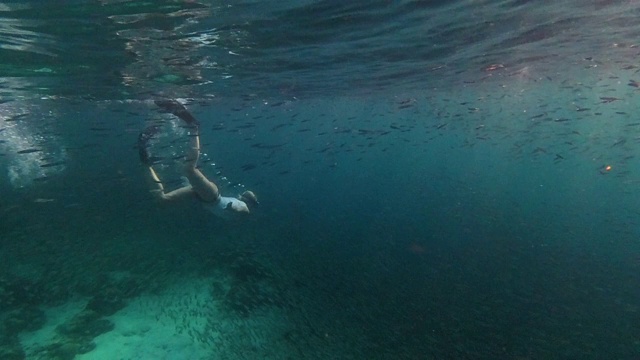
(143, 144)
(178, 110)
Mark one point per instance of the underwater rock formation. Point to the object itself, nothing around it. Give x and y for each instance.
(10, 348)
(28, 318)
(85, 324)
(107, 303)
(16, 292)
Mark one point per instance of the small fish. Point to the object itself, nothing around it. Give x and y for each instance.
(619, 142)
(155, 159)
(604, 169)
(269, 147)
(278, 126)
(28, 151)
(57, 163)
(608, 99)
(493, 67)
(16, 117)
(41, 200)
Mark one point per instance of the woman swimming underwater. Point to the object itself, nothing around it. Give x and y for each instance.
(199, 186)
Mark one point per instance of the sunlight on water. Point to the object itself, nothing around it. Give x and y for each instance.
(36, 153)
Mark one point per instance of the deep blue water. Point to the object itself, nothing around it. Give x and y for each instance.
(437, 180)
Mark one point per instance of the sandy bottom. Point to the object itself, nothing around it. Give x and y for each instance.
(185, 321)
(158, 326)
(32, 341)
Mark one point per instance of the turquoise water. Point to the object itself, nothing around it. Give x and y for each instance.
(437, 180)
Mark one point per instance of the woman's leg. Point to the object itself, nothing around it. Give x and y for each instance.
(203, 187)
(143, 150)
(177, 194)
(206, 189)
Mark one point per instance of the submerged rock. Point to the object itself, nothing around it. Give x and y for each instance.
(10, 348)
(86, 324)
(16, 292)
(107, 303)
(64, 349)
(11, 353)
(75, 336)
(24, 319)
